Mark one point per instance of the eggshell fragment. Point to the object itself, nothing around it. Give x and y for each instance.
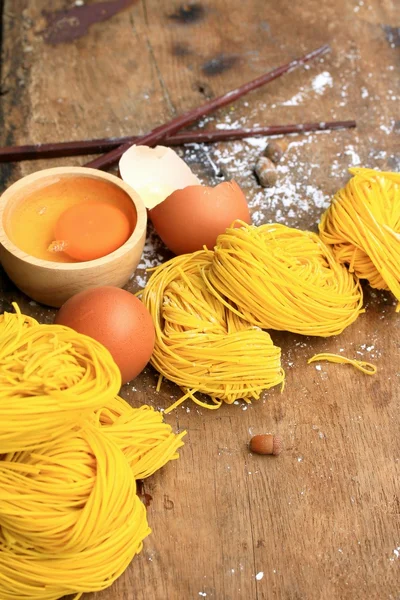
(116, 319)
(154, 173)
(195, 216)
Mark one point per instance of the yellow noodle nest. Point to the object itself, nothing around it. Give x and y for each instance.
(50, 377)
(281, 278)
(200, 344)
(70, 518)
(363, 227)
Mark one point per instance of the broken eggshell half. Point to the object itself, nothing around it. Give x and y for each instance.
(154, 173)
(195, 216)
(185, 214)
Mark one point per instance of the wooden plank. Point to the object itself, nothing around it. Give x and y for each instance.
(322, 520)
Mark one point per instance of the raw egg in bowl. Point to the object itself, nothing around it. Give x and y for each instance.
(101, 219)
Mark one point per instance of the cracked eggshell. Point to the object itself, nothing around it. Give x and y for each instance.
(195, 216)
(155, 173)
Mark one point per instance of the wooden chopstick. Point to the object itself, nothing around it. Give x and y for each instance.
(160, 133)
(82, 147)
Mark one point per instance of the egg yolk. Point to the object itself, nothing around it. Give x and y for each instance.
(90, 230)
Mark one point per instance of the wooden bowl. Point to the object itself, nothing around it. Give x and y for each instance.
(52, 283)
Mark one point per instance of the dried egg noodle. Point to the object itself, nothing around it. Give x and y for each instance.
(281, 278)
(11, 323)
(361, 365)
(363, 226)
(50, 377)
(70, 518)
(146, 441)
(200, 344)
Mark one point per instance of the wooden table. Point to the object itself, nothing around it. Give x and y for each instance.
(322, 521)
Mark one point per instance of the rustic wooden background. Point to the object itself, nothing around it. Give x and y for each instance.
(322, 521)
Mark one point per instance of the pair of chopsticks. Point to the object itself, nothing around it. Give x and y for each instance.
(167, 133)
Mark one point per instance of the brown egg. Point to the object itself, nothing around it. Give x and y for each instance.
(195, 216)
(116, 319)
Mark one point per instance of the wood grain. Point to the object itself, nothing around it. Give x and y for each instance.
(321, 521)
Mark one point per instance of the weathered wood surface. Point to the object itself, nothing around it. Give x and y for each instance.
(322, 521)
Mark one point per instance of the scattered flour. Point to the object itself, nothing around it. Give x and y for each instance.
(227, 123)
(388, 129)
(355, 159)
(259, 576)
(151, 257)
(364, 92)
(295, 100)
(292, 196)
(318, 85)
(321, 82)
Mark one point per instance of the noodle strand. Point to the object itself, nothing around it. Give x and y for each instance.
(365, 367)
